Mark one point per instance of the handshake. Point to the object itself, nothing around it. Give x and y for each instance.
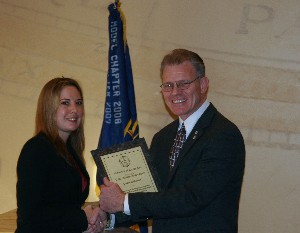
(111, 201)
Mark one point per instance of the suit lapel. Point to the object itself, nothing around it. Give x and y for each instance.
(197, 132)
(163, 166)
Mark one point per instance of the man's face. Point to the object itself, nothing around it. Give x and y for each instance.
(185, 102)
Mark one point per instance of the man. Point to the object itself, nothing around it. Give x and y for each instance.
(201, 184)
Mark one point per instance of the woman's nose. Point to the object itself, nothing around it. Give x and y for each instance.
(73, 108)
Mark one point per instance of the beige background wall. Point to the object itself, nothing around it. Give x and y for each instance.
(252, 54)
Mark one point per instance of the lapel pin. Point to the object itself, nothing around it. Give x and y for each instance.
(195, 136)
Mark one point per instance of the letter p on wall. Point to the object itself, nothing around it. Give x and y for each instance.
(254, 14)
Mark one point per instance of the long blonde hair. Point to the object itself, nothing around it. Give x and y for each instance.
(45, 121)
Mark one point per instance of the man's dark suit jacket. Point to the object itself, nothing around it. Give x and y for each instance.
(201, 193)
(49, 190)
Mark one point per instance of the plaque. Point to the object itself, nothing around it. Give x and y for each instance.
(127, 164)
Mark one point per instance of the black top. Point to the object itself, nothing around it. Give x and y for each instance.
(49, 190)
(201, 193)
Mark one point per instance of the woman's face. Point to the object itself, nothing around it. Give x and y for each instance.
(70, 111)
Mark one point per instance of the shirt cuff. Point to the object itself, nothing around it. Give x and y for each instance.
(110, 222)
(126, 205)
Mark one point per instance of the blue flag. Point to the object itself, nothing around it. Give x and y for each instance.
(120, 119)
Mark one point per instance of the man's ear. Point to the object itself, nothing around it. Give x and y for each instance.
(204, 84)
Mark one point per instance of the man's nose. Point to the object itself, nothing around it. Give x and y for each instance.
(175, 89)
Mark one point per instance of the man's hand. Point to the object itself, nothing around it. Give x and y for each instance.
(102, 218)
(111, 197)
(96, 219)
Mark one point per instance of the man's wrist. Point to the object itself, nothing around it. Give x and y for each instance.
(110, 221)
(126, 209)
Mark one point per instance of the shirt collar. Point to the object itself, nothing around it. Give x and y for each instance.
(191, 121)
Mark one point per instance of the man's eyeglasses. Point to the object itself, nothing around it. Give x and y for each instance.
(181, 85)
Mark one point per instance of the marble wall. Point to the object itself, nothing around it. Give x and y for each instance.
(252, 52)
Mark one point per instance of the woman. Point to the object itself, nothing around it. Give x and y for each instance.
(53, 182)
